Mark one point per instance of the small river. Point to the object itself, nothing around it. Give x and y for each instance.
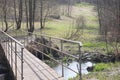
(68, 73)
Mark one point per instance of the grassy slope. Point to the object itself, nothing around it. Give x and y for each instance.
(59, 27)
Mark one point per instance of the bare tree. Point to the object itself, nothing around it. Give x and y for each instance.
(76, 30)
(5, 15)
(41, 14)
(109, 18)
(44, 12)
(18, 11)
(69, 7)
(32, 8)
(26, 13)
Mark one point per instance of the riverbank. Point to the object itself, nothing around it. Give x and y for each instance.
(103, 71)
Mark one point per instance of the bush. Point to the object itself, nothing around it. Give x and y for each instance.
(55, 16)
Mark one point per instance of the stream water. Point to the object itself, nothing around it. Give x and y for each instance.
(2, 74)
(70, 74)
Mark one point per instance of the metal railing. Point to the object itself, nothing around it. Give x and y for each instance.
(61, 43)
(14, 52)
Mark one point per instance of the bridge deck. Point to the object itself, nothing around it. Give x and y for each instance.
(33, 68)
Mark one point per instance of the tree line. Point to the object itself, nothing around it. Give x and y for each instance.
(31, 11)
(109, 20)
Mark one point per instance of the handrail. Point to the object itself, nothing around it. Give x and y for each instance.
(61, 41)
(13, 39)
(11, 51)
(77, 42)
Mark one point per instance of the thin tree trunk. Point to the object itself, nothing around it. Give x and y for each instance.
(5, 15)
(41, 14)
(20, 14)
(18, 19)
(26, 12)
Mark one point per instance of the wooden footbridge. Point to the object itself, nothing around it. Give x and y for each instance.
(26, 66)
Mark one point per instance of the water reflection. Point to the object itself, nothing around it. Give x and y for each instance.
(68, 73)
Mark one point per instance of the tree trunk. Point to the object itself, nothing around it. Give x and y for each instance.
(41, 14)
(5, 15)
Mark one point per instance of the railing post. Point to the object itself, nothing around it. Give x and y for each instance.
(6, 46)
(50, 44)
(11, 55)
(15, 61)
(80, 61)
(24, 41)
(62, 58)
(27, 39)
(9, 49)
(42, 47)
(22, 63)
(36, 54)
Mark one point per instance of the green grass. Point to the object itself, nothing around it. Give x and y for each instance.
(101, 66)
(89, 44)
(83, 4)
(55, 28)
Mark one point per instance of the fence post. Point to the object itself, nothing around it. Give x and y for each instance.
(62, 58)
(22, 63)
(80, 61)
